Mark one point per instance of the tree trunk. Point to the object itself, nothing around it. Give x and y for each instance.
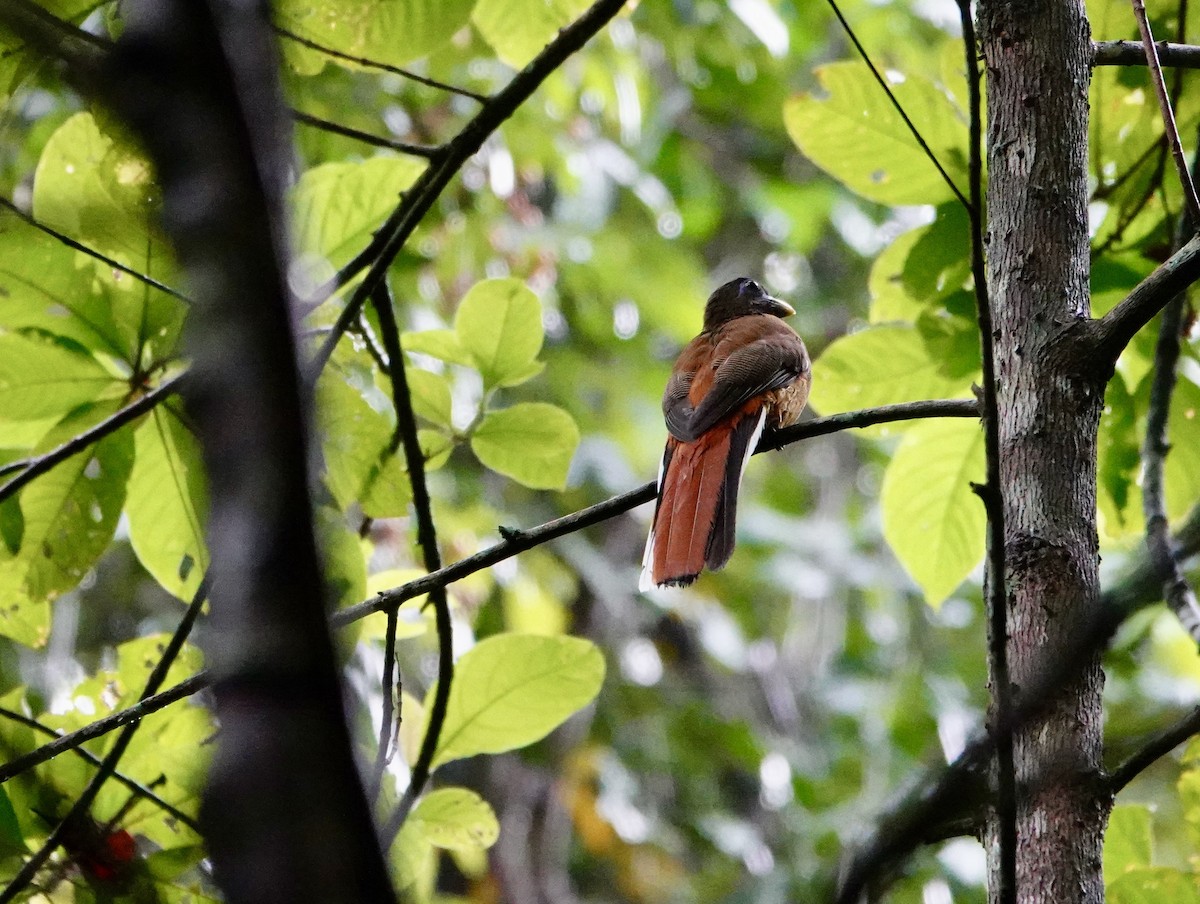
(1037, 54)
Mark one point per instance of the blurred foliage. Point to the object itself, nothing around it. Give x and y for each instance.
(748, 729)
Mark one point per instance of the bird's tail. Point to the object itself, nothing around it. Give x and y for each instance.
(697, 501)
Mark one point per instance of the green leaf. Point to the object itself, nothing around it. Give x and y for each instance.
(932, 520)
(70, 512)
(356, 440)
(168, 503)
(514, 689)
(12, 840)
(531, 442)
(1118, 498)
(499, 323)
(1181, 470)
(388, 31)
(457, 819)
(430, 395)
(883, 365)
(1160, 885)
(856, 135)
(518, 29)
(40, 379)
(440, 344)
(99, 190)
(337, 206)
(1127, 842)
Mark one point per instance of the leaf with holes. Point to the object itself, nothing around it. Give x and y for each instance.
(40, 378)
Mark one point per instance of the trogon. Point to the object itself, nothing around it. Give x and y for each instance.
(745, 371)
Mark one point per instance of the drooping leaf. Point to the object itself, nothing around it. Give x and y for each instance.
(514, 689)
(932, 520)
(168, 503)
(456, 819)
(531, 442)
(40, 379)
(883, 365)
(856, 135)
(499, 323)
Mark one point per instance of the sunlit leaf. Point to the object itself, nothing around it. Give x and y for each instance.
(39, 379)
(359, 466)
(856, 135)
(1127, 842)
(1158, 885)
(168, 503)
(456, 819)
(531, 442)
(430, 395)
(499, 322)
(932, 520)
(514, 689)
(519, 29)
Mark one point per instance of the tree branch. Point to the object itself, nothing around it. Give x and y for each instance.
(373, 64)
(406, 433)
(88, 757)
(1109, 335)
(429, 152)
(1133, 53)
(991, 493)
(392, 235)
(91, 252)
(29, 468)
(1153, 750)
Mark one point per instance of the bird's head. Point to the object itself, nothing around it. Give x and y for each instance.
(739, 298)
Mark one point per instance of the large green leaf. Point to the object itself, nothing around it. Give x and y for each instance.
(70, 512)
(519, 29)
(40, 379)
(168, 503)
(337, 206)
(499, 322)
(883, 365)
(931, 518)
(1127, 842)
(99, 190)
(456, 819)
(387, 31)
(514, 689)
(856, 135)
(531, 442)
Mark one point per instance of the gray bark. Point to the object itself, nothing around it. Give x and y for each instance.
(1037, 54)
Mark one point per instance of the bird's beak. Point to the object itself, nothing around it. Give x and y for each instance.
(779, 307)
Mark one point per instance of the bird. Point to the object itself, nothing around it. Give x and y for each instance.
(747, 370)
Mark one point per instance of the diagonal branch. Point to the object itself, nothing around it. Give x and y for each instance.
(389, 239)
(1153, 750)
(29, 468)
(429, 152)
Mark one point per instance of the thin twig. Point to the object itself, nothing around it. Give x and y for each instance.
(1168, 115)
(992, 493)
(29, 468)
(391, 700)
(91, 252)
(887, 89)
(1176, 590)
(1133, 53)
(406, 433)
(389, 239)
(108, 765)
(429, 152)
(517, 541)
(374, 64)
(88, 757)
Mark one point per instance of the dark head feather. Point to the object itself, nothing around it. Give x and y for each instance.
(739, 298)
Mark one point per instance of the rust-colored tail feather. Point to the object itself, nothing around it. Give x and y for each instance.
(697, 501)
